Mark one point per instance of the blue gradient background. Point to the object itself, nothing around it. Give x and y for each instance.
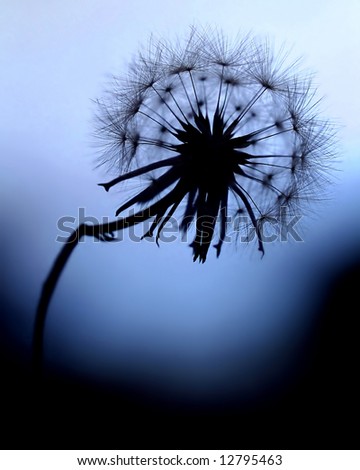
(130, 315)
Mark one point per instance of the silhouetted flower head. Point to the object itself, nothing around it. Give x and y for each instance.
(221, 129)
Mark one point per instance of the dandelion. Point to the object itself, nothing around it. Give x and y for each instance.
(220, 129)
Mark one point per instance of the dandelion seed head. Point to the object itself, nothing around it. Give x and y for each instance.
(225, 128)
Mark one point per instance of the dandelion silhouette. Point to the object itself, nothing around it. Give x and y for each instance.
(221, 128)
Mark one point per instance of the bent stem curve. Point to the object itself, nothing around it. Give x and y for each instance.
(103, 232)
(46, 294)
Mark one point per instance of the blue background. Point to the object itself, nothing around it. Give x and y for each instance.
(142, 330)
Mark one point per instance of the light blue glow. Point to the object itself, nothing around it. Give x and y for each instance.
(134, 311)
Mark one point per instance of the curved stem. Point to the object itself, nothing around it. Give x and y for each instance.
(46, 294)
(103, 232)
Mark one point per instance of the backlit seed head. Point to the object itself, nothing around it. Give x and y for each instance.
(227, 128)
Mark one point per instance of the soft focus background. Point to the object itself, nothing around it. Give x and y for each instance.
(143, 348)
